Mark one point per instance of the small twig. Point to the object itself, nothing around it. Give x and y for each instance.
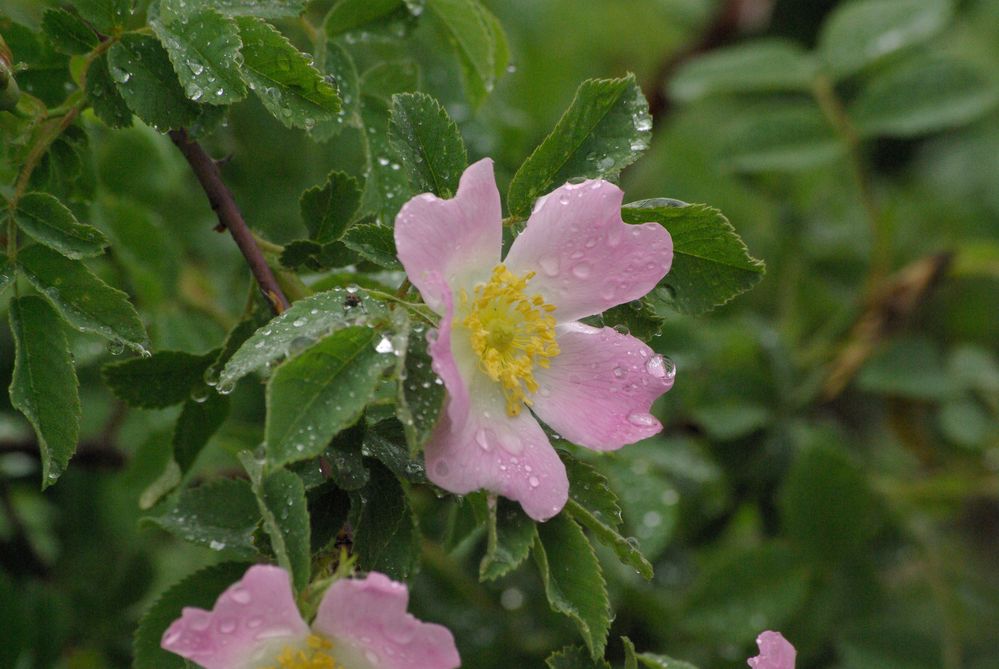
(224, 205)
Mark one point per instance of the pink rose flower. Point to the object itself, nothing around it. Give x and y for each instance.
(509, 335)
(361, 624)
(775, 652)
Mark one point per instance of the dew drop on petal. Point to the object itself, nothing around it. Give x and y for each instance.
(549, 265)
(581, 271)
(641, 419)
(534, 482)
(660, 367)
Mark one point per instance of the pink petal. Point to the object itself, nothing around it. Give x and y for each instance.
(458, 239)
(775, 652)
(369, 614)
(442, 349)
(586, 258)
(253, 615)
(510, 456)
(598, 390)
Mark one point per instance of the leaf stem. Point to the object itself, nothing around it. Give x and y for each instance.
(224, 205)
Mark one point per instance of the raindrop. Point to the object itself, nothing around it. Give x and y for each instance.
(661, 367)
(619, 371)
(241, 596)
(116, 347)
(581, 271)
(549, 265)
(482, 439)
(225, 387)
(641, 419)
(384, 345)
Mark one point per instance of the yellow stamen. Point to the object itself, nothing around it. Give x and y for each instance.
(315, 656)
(511, 332)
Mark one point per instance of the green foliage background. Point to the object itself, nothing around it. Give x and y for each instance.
(830, 463)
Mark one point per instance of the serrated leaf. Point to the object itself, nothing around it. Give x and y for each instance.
(510, 535)
(321, 392)
(81, 298)
(595, 506)
(385, 441)
(711, 264)
(574, 583)
(104, 14)
(574, 657)
(428, 142)
(104, 97)
(762, 65)
(282, 502)
(375, 243)
(200, 418)
(204, 48)
(923, 96)
(200, 589)
(420, 398)
(606, 127)
(144, 76)
(630, 660)
(384, 80)
(467, 28)
(316, 257)
(291, 89)
(264, 9)
(859, 33)
(67, 32)
(788, 137)
(327, 209)
(48, 221)
(335, 62)
(826, 506)
(386, 537)
(386, 187)
(220, 515)
(306, 321)
(44, 385)
(348, 15)
(162, 379)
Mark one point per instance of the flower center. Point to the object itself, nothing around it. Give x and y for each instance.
(511, 332)
(315, 655)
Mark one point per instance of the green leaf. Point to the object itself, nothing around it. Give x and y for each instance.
(604, 130)
(859, 33)
(44, 385)
(104, 97)
(384, 80)
(162, 379)
(471, 33)
(306, 321)
(574, 582)
(145, 248)
(420, 397)
(220, 515)
(348, 15)
(574, 657)
(595, 506)
(264, 9)
(316, 257)
(204, 48)
(744, 591)
(200, 418)
(653, 661)
(328, 209)
(428, 142)
(510, 537)
(762, 65)
(141, 69)
(322, 391)
(48, 221)
(82, 299)
(67, 32)
(726, 420)
(104, 14)
(334, 61)
(386, 537)
(200, 589)
(375, 243)
(826, 506)
(281, 497)
(908, 367)
(291, 89)
(630, 661)
(711, 264)
(788, 137)
(386, 187)
(8, 273)
(923, 96)
(385, 442)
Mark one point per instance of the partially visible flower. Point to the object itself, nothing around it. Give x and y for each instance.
(361, 624)
(510, 336)
(775, 652)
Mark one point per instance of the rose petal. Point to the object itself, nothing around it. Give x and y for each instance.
(510, 456)
(452, 357)
(254, 615)
(458, 239)
(775, 652)
(370, 615)
(599, 388)
(586, 258)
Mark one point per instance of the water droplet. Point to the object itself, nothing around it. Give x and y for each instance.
(549, 265)
(225, 387)
(241, 596)
(441, 468)
(619, 371)
(642, 419)
(371, 656)
(534, 482)
(660, 367)
(227, 626)
(581, 270)
(384, 345)
(116, 347)
(482, 439)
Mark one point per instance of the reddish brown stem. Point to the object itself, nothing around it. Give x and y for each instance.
(224, 205)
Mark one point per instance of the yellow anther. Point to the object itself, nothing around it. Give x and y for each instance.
(510, 332)
(315, 656)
